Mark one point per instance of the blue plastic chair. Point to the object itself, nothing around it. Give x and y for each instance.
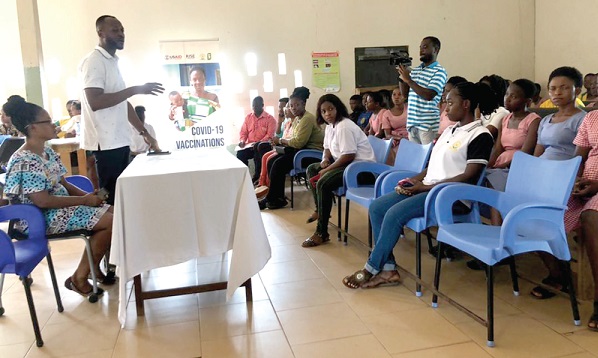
(411, 159)
(299, 168)
(422, 224)
(532, 205)
(81, 182)
(21, 257)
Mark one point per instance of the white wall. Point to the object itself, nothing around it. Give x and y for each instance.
(565, 36)
(12, 80)
(478, 37)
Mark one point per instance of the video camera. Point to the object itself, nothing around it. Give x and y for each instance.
(400, 58)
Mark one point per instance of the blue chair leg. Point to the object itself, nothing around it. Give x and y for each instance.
(54, 283)
(1, 289)
(292, 193)
(418, 262)
(38, 335)
(430, 245)
(490, 305)
(339, 212)
(346, 219)
(514, 277)
(437, 275)
(567, 267)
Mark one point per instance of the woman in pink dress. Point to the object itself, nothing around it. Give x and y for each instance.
(375, 105)
(583, 205)
(394, 123)
(519, 132)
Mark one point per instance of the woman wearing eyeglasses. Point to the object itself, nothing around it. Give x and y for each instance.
(35, 175)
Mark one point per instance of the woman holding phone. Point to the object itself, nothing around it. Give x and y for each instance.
(460, 155)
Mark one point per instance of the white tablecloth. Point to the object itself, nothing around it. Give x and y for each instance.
(172, 208)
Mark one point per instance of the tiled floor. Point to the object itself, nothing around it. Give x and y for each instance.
(300, 309)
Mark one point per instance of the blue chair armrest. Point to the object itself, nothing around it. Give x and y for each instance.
(353, 169)
(389, 179)
(449, 194)
(429, 210)
(520, 217)
(302, 154)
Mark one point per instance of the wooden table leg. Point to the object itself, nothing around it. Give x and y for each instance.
(248, 290)
(82, 162)
(65, 157)
(138, 295)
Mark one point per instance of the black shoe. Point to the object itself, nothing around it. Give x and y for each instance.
(262, 203)
(476, 265)
(277, 204)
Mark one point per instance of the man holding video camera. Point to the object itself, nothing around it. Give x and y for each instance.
(425, 84)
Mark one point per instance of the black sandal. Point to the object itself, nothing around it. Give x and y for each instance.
(542, 293)
(69, 284)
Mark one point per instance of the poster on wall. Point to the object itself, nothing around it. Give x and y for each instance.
(193, 75)
(326, 71)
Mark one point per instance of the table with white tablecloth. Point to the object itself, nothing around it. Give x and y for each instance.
(173, 208)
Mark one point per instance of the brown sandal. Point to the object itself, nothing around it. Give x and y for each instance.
(357, 279)
(315, 240)
(314, 217)
(379, 281)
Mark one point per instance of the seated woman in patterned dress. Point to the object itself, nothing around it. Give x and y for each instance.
(35, 176)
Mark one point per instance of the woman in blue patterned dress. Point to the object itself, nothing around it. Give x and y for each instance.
(35, 176)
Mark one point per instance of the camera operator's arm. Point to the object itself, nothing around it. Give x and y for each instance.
(423, 92)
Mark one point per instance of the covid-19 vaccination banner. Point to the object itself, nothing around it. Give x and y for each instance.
(193, 82)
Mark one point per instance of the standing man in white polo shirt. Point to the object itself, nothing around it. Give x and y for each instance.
(106, 113)
(425, 84)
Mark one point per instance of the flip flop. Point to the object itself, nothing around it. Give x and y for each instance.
(315, 240)
(379, 281)
(357, 279)
(69, 284)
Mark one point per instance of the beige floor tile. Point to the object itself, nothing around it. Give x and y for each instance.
(18, 350)
(320, 323)
(586, 339)
(411, 330)
(381, 300)
(461, 350)
(271, 344)
(555, 313)
(473, 297)
(163, 311)
(172, 340)
(521, 336)
(99, 354)
(218, 298)
(580, 355)
(237, 319)
(71, 339)
(305, 293)
(289, 272)
(283, 253)
(356, 346)
(16, 328)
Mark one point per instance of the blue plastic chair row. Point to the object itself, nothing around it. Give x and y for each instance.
(21, 257)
